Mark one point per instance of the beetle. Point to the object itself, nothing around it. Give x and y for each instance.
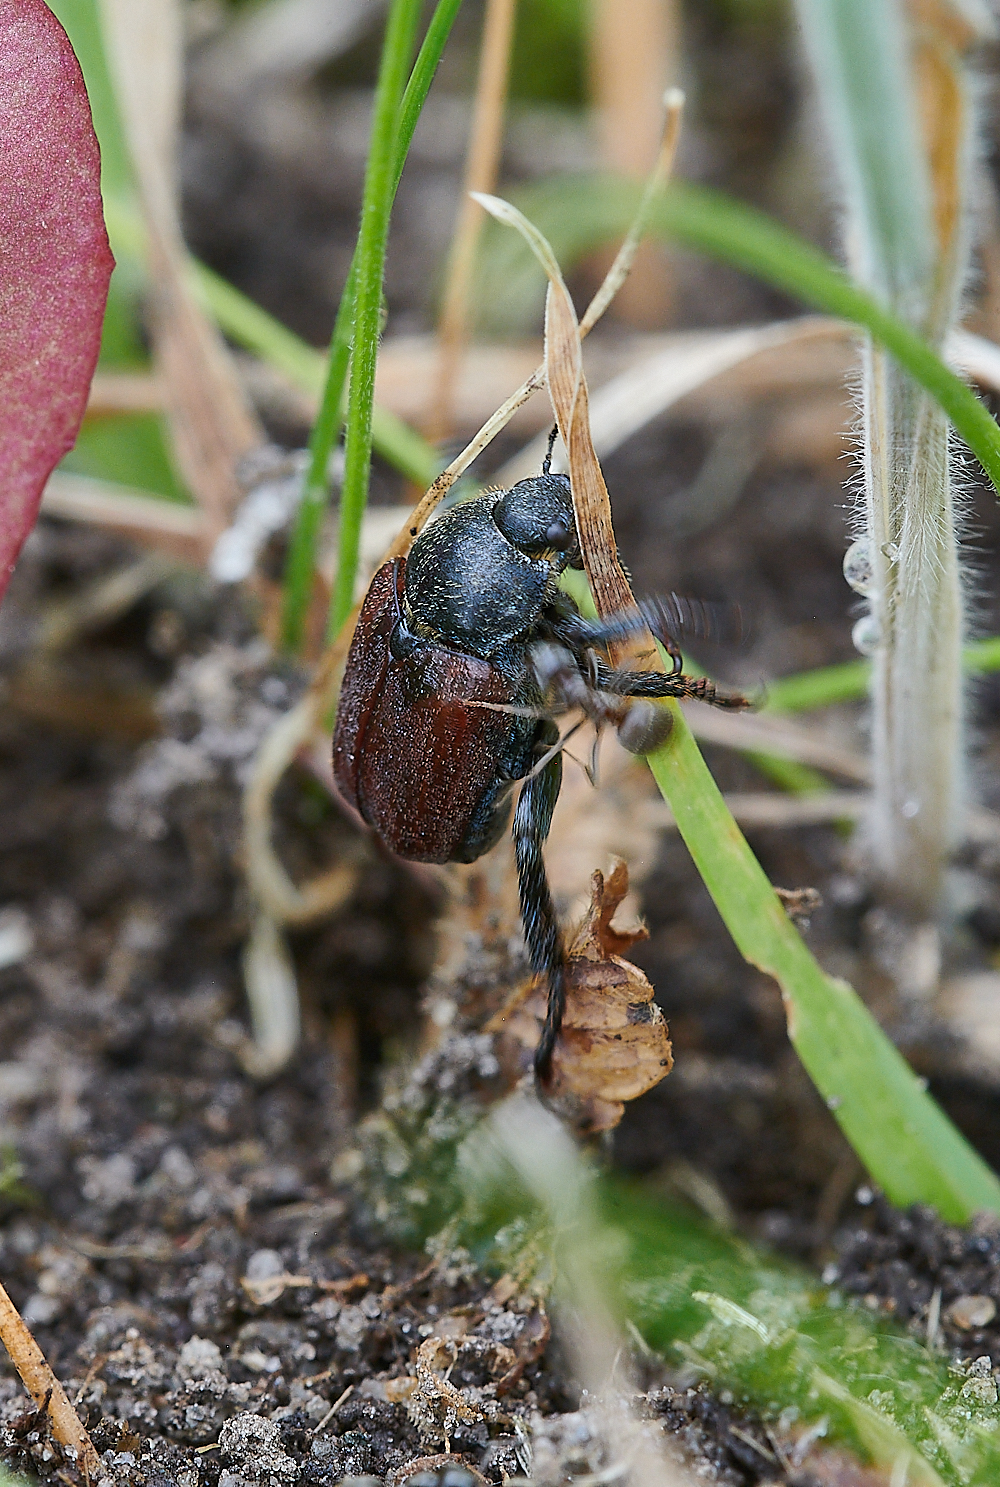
(462, 654)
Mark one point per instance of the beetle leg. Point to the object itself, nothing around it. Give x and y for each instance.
(666, 618)
(656, 684)
(532, 820)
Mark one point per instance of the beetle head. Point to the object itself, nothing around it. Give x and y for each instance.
(536, 517)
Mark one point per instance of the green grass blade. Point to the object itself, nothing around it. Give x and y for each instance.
(373, 236)
(907, 1143)
(788, 774)
(983, 656)
(826, 685)
(905, 1140)
(301, 563)
(424, 68)
(821, 687)
(764, 1330)
(257, 331)
(745, 1320)
(83, 27)
(252, 327)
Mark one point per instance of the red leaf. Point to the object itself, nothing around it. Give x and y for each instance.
(55, 261)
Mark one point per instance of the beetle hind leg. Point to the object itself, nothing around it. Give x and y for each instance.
(532, 820)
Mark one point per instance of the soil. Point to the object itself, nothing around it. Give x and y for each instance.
(180, 1237)
(938, 1280)
(150, 1185)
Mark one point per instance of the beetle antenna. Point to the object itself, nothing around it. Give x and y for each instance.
(547, 461)
(555, 749)
(594, 769)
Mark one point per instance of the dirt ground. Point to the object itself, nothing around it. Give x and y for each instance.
(183, 1239)
(152, 1191)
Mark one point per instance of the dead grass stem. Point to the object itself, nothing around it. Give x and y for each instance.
(481, 165)
(211, 424)
(45, 1389)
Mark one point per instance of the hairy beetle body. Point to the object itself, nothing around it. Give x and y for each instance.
(461, 654)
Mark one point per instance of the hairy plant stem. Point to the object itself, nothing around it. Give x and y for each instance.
(917, 685)
(898, 118)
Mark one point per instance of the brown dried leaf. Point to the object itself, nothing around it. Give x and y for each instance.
(614, 1044)
(568, 391)
(596, 939)
(800, 903)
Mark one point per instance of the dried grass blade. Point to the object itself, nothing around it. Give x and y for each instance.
(211, 424)
(481, 166)
(633, 398)
(625, 257)
(136, 514)
(44, 1388)
(625, 404)
(613, 280)
(568, 391)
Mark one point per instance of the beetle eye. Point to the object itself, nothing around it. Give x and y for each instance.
(558, 534)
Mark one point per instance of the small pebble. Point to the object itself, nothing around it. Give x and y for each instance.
(263, 1264)
(447, 1476)
(198, 1358)
(968, 1312)
(980, 1391)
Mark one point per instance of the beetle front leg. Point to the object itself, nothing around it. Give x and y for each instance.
(665, 618)
(675, 684)
(532, 820)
